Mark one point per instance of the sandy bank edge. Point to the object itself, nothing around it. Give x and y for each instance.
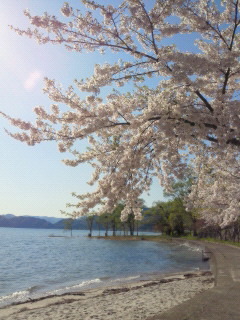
(169, 291)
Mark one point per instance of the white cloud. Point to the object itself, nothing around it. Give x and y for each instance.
(32, 80)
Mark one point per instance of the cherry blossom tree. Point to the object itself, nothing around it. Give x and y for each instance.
(191, 115)
(216, 192)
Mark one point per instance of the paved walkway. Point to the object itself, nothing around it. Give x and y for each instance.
(219, 303)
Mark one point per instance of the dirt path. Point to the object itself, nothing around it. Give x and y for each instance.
(219, 303)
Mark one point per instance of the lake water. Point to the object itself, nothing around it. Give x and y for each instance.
(32, 264)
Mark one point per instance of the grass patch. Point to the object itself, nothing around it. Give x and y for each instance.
(213, 240)
(167, 238)
(137, 238)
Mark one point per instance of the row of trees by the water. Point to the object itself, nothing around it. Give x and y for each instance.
(170, 218)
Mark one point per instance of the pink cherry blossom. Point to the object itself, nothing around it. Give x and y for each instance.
(190, 119)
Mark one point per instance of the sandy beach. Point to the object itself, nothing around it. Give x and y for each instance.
(129, 301)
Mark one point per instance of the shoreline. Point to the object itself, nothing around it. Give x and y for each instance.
(171, 288)
(33, 291)
(118, 301)
(213, 297)
(108, 282)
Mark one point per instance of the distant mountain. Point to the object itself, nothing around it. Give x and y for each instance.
(78, 224)
(11, 221)
(49, 219)
(9, 216)
(24, 222)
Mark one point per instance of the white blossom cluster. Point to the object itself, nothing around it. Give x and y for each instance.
(216, 191)
(192, 115)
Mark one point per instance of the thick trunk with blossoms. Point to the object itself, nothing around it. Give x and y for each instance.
(192, 114)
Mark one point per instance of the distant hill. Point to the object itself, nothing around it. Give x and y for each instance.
(9, 216)
(49, 219)
(24, 222)
(79, 224)
(11, 221)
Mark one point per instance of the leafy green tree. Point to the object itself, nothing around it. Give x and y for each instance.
(170, 217)
(180, 189)
(104, 220)
(68, 224)
(158, 216)
(179, 219)
(132, 221)
(90, 219)
(111, 220)
(115, 218)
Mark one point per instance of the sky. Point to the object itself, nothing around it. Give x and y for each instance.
(33, 180)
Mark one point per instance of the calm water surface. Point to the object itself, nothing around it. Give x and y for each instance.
(32, 264)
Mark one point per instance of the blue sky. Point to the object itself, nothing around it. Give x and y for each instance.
(33, 180)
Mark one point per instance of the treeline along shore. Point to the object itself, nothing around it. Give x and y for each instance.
(170, 218)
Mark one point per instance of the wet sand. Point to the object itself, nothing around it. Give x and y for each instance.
(129, 301)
